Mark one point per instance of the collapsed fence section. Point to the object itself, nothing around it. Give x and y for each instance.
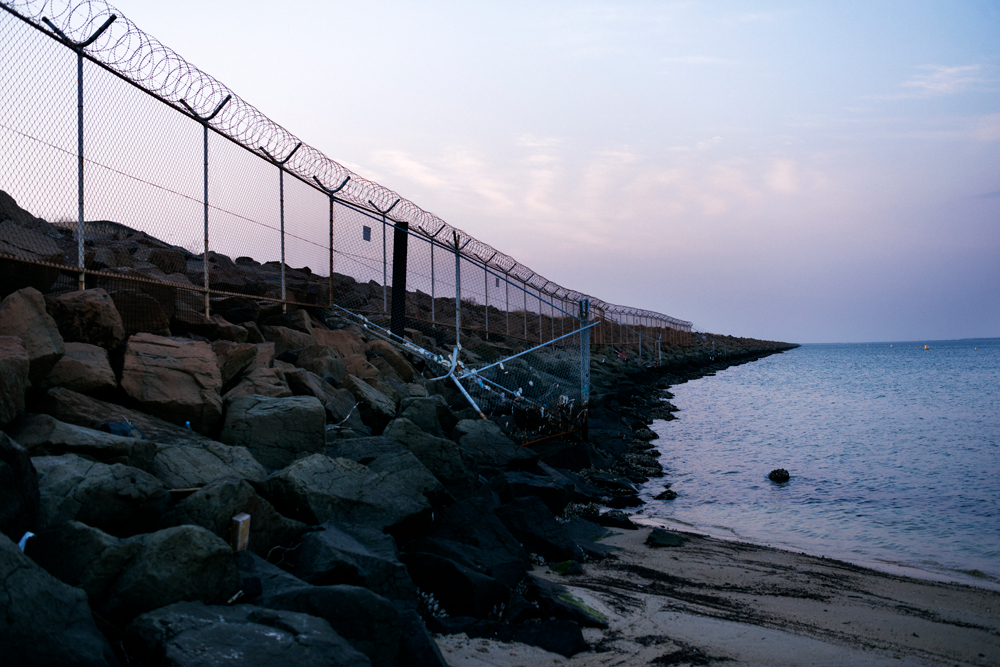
(123, 166)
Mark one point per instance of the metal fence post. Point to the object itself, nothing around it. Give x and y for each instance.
(585, 365)
(385, 259)
(281, 203)
(330, 193)
(79, 47)
(204, 125)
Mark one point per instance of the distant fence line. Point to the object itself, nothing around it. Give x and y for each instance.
(131, 159)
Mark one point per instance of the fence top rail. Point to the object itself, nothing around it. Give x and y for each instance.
(145, 62)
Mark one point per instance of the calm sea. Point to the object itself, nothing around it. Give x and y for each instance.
(894, 453)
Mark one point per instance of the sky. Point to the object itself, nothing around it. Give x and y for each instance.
(805, 172)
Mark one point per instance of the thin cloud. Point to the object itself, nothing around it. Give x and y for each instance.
(939, 80)
(698, 60)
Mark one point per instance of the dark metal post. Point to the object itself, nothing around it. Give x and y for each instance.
(330, 193)
(79, 47)
(385, 259)
(585, 364)
(204, 125)
(281, 203)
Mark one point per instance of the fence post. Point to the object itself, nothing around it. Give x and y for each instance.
(458, 288)
(79, 47)
(385, 273)
(330, 193)
(281, 203)
(585, 363)
(486, 292)
(399, 239)
(204, 125)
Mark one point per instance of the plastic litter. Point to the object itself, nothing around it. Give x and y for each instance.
(24, 540)
(123, 428)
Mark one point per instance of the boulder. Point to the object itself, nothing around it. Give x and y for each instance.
(273, 580)
(176, 380)
(432, 415)
(19, 497)
(75, 408)
(441, 456)
(84, 557)
(486, 443)
(397, 361)
(285, 339)
(198, 464)
(405, 468)
(305, 383)
(14, 365)
(297, 320)
(165, 259)
(555, 636)
(229, 331)
(214, 506)
(195, 635)
(24, 243)
(365, 558)
(176, 564)
(416, 643)
(323, 360)
(140, 312)
(556, 601)
(659, 537)
(265, 355)
(84, 368)
(45, 622)
(554, 492)
(376, 408)
(369, 622)
(275, 430)
(253, 333)
(116, 498)
(317, 489)
(342, 410)
(233, 358)
(462, 591)
(87, 316)
(471, 522)
(358, 366)
(364, 450)
(43, 435)
(236, 309)
(533, 524)
(261, 382)
(345, 342)
(23, 314)
(189, 319)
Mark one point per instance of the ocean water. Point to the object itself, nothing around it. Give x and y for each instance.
(893, 450)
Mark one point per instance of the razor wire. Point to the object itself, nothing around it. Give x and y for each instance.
(140, 59)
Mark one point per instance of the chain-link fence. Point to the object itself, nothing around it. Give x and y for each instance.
(124, 167)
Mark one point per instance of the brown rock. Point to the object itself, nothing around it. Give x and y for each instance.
(399, 363)
(345, 342)
(88, 316)
(233, 358)
(84, 368)
(13, 377)
(229, 331)
(261, 382)
(358, 366)
(275, 430)
(323, 360)
(285, 339)
(19, 241)
(23, 314)
(176, 380)
(140, 312)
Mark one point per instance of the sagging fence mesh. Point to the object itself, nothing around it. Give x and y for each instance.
(124, 167)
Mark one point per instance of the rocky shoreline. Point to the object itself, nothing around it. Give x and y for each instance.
(292, 488)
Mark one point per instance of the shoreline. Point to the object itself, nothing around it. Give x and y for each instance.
(713, 600)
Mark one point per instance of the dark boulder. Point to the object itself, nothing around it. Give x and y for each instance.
(779, 475)
(87, 316)
(557, 601)
(462, 591)
(19, 496)
(533, 524)
(490, 448)
(556, 636)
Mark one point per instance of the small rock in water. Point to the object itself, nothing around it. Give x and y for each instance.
(665, 538)
(667, 495)
(778, 475)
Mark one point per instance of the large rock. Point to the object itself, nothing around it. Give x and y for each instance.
(19, 497)
(140, 312)
(43, 435)
(275, 430)
(14, 366)
(556, 601)
(530, 521)
(317, 489)
(358, 366)
(75, 408)
(191, 634)
(44, 621)
(416, 643)
(31, 244)
(261, 382)
(198, 464)
(487, 444)
(442, 457)
(461, 590)
(233, 358)
(432, 415)
(376, 408)
(214, 506)
(555, 636)
(397, 361)
(84, 557)
(286, 339)
(343, 341)
(342, 411)
(87, 316)
(118, 499)
(23, 314)
(555, 492)
(176, 380)
(306, 383)
(323, 360)
(363, 557)
(369, 622)
(84, 368)
(165, 259)
(176, 564)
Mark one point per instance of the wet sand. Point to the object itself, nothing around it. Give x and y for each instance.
(713, 601)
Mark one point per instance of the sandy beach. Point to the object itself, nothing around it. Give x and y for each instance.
(713, 601)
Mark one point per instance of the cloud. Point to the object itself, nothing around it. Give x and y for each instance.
(536, 142)
(987, 128)
(698, 60)
(783, 177)
(937, 80)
